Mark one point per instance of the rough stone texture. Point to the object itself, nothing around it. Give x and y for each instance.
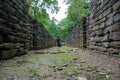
(41, 37)
(17, 30)
(103, 27)
(108, 34)
(77, 37)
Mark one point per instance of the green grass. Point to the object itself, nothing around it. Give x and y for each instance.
(92, 67)
(63, 48)
(51, 58)
(66, 48)
(26, 64)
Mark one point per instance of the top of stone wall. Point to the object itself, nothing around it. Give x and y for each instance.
(99, 6)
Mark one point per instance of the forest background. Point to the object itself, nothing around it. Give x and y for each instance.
(77, 9)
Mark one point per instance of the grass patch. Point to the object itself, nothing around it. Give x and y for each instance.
(63, 48)
(92, 67)
(29, 64)
(66, 48)
(101, 77)
(73, 69)
(33, 71)
(50, 59)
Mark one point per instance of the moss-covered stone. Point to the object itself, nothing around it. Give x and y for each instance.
(19, 32)
(8, 54)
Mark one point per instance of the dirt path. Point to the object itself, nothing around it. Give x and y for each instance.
(70, 64)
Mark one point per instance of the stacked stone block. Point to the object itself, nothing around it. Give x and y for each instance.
(41, 38)
(104, 26)
(17, 29)
(77, 38)
(14, 28)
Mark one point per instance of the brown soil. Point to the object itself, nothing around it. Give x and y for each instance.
(89, 64)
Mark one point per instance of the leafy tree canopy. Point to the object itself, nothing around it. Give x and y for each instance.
(38, 9)
(77, 9)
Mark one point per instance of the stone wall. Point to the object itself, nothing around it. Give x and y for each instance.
(103, 27)
(77, 38)
(41, 37)
(17, 30)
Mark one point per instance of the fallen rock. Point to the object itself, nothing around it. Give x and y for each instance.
(70, 74)
(65, 65)
(59, 68)
(77, 64)
(81, 68)
(82, 78)
(71, 50)
(74, 58)
(101, 73)
(109, 70)
(96, 71)
(52, 66)
(82, 61)
(88, 70)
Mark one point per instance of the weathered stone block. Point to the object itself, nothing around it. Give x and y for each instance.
(98, 44)
(4, 30)
(106, 44)
(12, 18)
(108, 11)
(96, 27)
(116, 6)
(102, 49)
(116, 27)
(115, 44)
(111, 14)
(3, 21)
(100, 16)
(8, 54)
(117, 17)
(112, 28)
(100, 21)
(7, 46)
(93, 34)
(114, 36)
(20, 51)
(3, 14)
(8, 9)
(102, 25)
(113, 51)
(109, 21)
(107, 30)
(106, 37)
(99, 32)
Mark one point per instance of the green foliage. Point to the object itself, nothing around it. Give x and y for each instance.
(65, 27)
(38, 9)
(77, 9)
(63, 48)
(62, 29)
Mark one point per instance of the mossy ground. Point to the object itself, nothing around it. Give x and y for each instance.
(44, 66)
